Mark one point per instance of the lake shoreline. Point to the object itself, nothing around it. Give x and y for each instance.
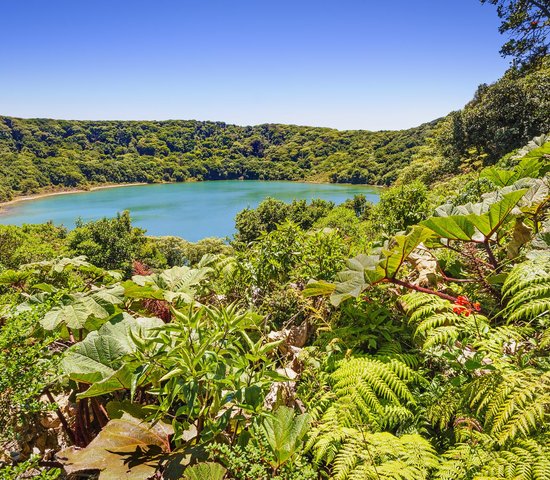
(64, 191)
(4, 206)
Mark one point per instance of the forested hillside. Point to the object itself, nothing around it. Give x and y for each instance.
(39, 154)
(36, 154)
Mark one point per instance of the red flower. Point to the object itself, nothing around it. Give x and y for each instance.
(463, 306)
(462, 300)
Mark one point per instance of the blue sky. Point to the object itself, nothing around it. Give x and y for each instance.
(347, 64)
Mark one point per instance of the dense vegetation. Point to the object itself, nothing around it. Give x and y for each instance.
(39, 154)
(345, 342)
(404, 340)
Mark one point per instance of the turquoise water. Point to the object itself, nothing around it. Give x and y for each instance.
(189, 210)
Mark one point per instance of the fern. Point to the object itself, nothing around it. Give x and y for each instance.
(368, 387)
(527, 290)
(501, 341)
(526, 460)
(364, 395)
(462, 461)
(436, 324)
(384, 456)
(511, 403)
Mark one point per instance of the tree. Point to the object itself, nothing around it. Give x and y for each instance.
(110, 243)
(527, 22)
(402, 206)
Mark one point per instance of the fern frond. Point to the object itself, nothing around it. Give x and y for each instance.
(365, 391)
(527, 291)
(436, 323)
(526, 460)
(497, 340)
(461, 462)
(512, 404)
(384, 456)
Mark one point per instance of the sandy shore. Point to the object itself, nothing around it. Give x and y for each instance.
(36, 196)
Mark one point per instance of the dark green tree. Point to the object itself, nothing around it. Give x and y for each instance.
(527, 23)
(111, 243)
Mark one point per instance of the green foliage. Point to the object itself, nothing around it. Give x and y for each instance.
(436, 323)
(501, 117)
(270, 213)
(284, 432)
(31, 243)
(29, 469)
(511, 403)
(79, 153)
(402, 206)
(109, 243)
(26, 364)
(382, 455)
(99, 360)
(430, 361)
(254, 462)
(526, 460)
(204, 367)
(527, 291)
(205, 471)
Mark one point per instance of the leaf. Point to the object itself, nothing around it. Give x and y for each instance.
(97, 359)
(126, 448)
(314, 289)
(74, 316)
(498, 213)
(403, 247)
(133, 290)
(455, 227)
(94, 359)
(350, 282)
(535, 198)
(284, 432)
(116, 409)
(498, 176)
(109, 296)
(205, 471)
(120, 379)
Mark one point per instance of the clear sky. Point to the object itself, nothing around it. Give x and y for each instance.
(348, 64)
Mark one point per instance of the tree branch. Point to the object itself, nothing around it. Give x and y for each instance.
(544, 9)
(411, 286)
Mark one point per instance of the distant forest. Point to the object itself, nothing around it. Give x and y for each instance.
(44, 154)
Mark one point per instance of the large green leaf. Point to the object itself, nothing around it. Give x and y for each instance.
(74, 315)
(350, 282)
(98, 359)
(455, 227)
(498, 176)
(469, 227)
(314, 289)
(285, 432)
(120, 379)
(97, 305)
(498, 213)
(126, 448)
(205, 471)
(94, 359)
(402, 246)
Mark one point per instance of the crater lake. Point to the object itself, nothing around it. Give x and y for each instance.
(189, 210)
